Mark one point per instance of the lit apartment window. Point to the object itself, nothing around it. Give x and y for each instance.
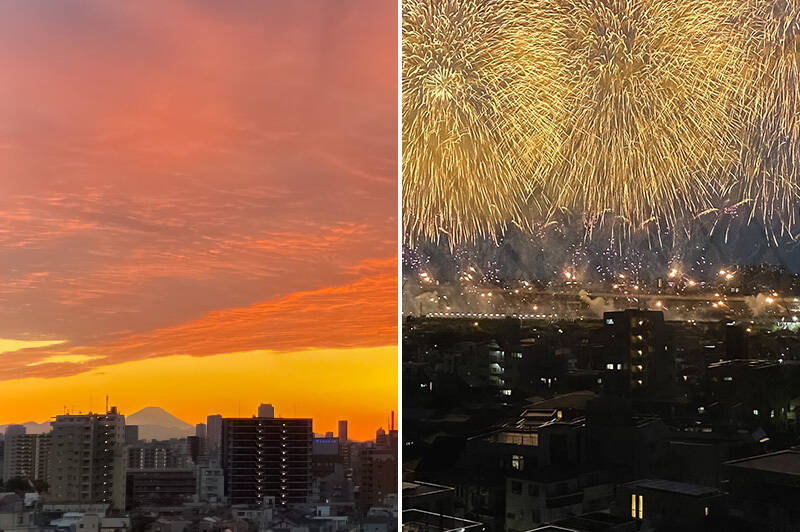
(637, 510)
(517, 462)
(706, 511)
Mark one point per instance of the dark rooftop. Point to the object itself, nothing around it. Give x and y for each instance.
(786, 462)
(693, 490)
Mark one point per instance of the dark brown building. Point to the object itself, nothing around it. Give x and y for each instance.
(267, 457)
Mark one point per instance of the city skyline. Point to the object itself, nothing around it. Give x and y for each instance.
(199, 208)
(243, 412)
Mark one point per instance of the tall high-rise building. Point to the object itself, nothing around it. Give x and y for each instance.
(344, 445)
(637, 350)
(266, 410)
(159, 455)
(201, 434)
(86, 462)
(267, 457)
(15, 430)
(379, 475)
(214, 434)
(11, 450)
(131, 434)
(25, 456)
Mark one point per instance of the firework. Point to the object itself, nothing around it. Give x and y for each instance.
(648, 128)
(769, 180)
(480, 100)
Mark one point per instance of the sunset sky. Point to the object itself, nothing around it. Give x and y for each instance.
(198, 208)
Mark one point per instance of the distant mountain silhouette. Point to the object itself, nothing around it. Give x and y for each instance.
(31, 427)
(154, 424)
(157, 424)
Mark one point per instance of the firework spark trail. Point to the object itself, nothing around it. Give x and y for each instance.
(479, 105)
(650, 113)
(769, 176)
(648, 127)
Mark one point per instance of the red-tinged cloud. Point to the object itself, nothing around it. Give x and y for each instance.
(195, 177)
(360, 314)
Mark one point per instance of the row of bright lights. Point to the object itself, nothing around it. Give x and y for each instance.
(480, 315)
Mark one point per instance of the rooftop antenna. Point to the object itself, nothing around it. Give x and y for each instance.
(106, 402)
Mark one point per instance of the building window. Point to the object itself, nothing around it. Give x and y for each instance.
(517, 462)
(637, 511)
(533, 490)
(516, 487)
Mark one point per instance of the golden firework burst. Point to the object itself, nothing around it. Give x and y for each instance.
(769, 178)
(648, 128)
(479, 104)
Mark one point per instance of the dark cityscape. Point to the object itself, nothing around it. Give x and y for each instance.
(243, 474)
(601, 270)
(623, 422)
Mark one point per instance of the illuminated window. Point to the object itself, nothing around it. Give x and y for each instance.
(706, 511)
(517, 462)
(609, 366)
(637, 511)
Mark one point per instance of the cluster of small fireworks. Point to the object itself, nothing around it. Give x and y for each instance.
(646, 113)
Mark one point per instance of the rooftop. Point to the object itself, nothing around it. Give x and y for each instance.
(692, 490)
(785, 462)
(416, 489)
(415, 520)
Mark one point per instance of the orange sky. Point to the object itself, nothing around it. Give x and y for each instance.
(198, 203)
